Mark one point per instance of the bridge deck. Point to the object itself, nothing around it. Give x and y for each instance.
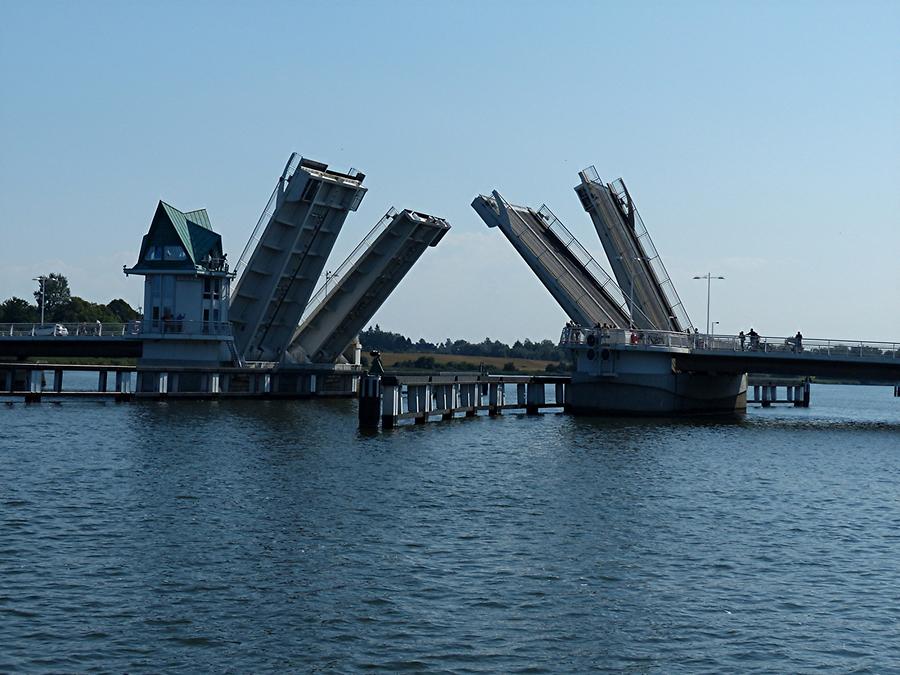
(364, 282)
(585, 292)
(864, 361)
(22, 344)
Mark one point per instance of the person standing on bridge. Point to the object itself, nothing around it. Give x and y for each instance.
(742, 338)
(798, 342)
(754, 340)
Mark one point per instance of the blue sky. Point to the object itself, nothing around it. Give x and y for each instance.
(761, 141)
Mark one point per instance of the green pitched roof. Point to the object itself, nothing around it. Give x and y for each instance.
(191, 229)
(194, 230)
(200, 217)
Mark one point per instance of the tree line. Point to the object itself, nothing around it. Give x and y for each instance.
(386, 341)
(60, 306)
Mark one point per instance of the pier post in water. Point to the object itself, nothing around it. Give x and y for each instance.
(535, 397)
(495, 398)
(370, 402)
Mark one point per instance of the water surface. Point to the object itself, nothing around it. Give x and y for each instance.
(272, 536)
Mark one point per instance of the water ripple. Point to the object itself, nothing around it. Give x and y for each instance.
(241, 537)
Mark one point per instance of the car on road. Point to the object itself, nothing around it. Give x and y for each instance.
(54, 329)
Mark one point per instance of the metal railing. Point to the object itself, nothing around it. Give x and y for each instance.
(574, 336)
(266, 215)
(87, 329)
(333, 278)
(62, 330)
(817, 347)
(183, 327)
(604, 280)
(651, 255)
(567, 239)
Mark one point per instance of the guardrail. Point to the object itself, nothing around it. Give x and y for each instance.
(332, 278)
(573, 336)
(62, 330)
(108, 330)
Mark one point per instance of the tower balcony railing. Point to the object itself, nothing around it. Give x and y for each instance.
(185, 327)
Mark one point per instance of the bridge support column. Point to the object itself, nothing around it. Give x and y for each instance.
(536, 396)
(496, 396)
(443, 400)
(560, 394)
(162, 384)
(521, 394)
(8, 380)
(57, 380)
(101, 381)
(390, 405)
(806, 394)
(370, 402)
(32, 386)
(897, 390)
(121, 382)
(766, 393)
(418, 399)
(467, 398)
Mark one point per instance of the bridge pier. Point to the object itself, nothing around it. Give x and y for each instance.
(390, 405)
(448, 395)
(560, 394)
(496, 398)
(536, 396)
(370, 402)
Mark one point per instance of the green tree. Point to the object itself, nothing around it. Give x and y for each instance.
(80, 310)
(123, 311)
(55, 296)
(17, 310)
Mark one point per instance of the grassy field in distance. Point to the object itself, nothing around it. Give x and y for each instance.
(493, 363)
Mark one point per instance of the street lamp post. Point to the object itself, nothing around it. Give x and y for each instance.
(41, 279)
(709, 277)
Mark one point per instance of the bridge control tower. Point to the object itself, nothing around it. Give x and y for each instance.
(287, 253)
(587, 294)
(186, 289)
(631, 253)
(351, 296)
